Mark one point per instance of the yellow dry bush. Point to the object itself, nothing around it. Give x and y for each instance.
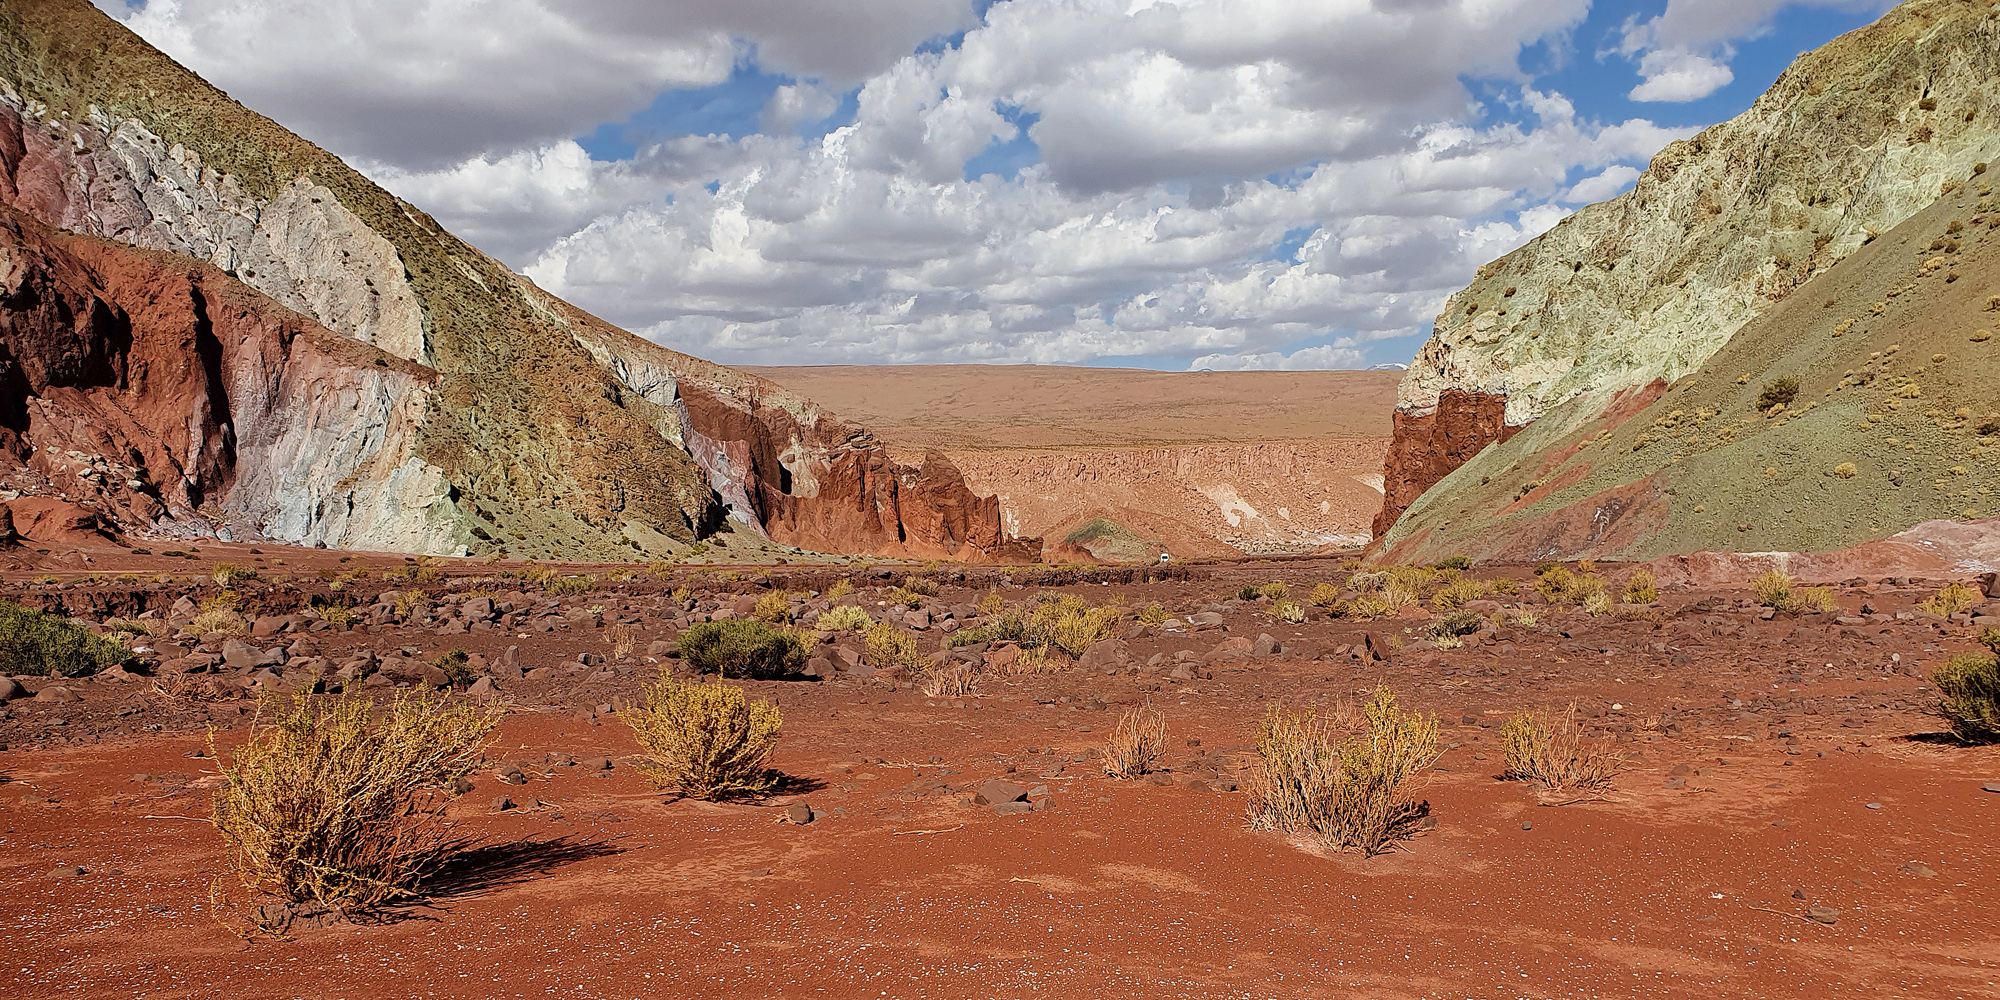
(1344, 781)
(218, 621)
(1642, 588)
(332, 804)
(1289, 611)
(1072, 626)
(1371, 606)
(921, 585)
(227, 574)
(1538, 747)
(1367, 583)
(706, 741)
(992, 603)
(1776, 590)
(841, 588)
(1459, 591)
(1151, 615)
(905, 597)
(774, 607)
(622, 639)
(1951, 599)
(949, 680)
(889, 647)
(1397, 595)
(1325, 595)
(1504, 585)
(1137, 744)
(845, 618)
(1275, 590)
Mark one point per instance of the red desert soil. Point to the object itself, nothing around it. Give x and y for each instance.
(1204, 463)
(1777, 763)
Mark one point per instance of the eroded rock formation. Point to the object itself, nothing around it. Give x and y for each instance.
(541, 431)
(1850, 141)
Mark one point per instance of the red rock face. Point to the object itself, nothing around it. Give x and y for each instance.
(1427, 448)
(831, 487)
(127, 375)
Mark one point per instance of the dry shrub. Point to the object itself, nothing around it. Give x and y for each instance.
(684, 596)
(740, 647)
(1969, 686)
(845, 618)
(410, 601)
(992, 603)
(330, 803)
(774, 607)
(706, 741)
(1345, 780)
(1778, 591)
(889, 647)
(1137, 744)
(1371, 606)
(1325, 595)
(1642, 588)
(1151, 615)
(1539, 747)
(33, 642)
(1289, 611)
(949, 680)
(1459, 591)
(1367, 583)
(227, 574)
(1396, 596)
(906, 597)
(841, 588)
(622, 639)
(1275, 590)
(1951, 599)
(565, 586)
(1071, 625)
(218, 621)
(922, 586)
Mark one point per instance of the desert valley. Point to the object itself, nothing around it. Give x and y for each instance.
(375, 622)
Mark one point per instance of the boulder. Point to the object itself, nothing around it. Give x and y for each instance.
(11, 689)
(997, 790)
(1106, 654)
(239, 655)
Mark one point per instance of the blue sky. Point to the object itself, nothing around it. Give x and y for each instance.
(1207, 183)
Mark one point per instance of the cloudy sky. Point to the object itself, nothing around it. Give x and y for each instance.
(1152, 183)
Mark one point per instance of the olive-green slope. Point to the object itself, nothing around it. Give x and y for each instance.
(1895, 419)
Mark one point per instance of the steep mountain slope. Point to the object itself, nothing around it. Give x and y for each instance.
(548, 431)
(1867, 402)
(1851, 140)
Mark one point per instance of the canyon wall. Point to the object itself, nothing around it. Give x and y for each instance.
(1851, 140)
(1215, 499)
(145, 386)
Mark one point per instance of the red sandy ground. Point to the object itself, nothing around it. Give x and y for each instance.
(904, 888)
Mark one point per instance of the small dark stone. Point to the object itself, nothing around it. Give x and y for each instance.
(502, 803)
(798, 813)
(1527, 824)
(61, 872)
(1822, 914)
(461, 785)
(1798, 894)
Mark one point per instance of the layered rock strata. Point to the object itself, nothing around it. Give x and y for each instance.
(544, 431)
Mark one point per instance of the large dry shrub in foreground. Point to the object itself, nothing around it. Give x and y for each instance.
(1137, 744)
(1344, 780)
(332, 803)
(1539, 747)
(707, 741)
(1968, 686)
